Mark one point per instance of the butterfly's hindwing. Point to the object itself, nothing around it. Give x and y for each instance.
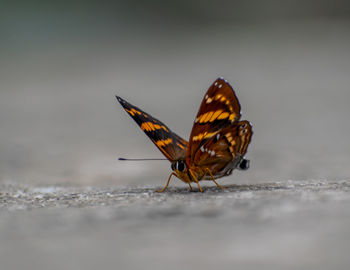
(222, 153)
(169, 143)
(243, 137)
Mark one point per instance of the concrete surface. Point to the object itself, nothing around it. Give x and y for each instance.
(277, 225)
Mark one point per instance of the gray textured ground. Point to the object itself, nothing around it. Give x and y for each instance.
(285, 225)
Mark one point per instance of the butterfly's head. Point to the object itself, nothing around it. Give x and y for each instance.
(179, 166)
(181, 170)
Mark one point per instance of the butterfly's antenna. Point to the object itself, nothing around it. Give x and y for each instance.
(139, 159)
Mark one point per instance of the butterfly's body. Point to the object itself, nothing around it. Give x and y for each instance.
(201, 173)
(218, 141)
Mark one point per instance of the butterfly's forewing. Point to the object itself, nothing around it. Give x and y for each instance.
(170, 144)
(220, 108)
(221, 153)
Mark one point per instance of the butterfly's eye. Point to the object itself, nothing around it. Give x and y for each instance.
(179, 165)
(244, 164)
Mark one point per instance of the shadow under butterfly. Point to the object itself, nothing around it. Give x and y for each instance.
(218, 140)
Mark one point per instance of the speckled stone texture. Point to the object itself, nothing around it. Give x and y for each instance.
(284, 225)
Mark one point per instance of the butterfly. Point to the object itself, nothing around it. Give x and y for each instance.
(218, 140)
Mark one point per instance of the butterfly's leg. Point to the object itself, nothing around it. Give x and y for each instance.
(195, 179)
(167, 184)
(212, 177)
(190, 186)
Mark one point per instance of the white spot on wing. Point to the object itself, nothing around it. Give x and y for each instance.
(217, 136)
(202, 148)
(220, 86)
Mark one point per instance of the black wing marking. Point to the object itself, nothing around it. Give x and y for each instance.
(169, 143)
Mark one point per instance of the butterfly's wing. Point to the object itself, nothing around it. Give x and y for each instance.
(171, 145)
(223, 152)
(220, 109)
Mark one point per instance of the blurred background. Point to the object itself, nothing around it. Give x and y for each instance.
(62, 62)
